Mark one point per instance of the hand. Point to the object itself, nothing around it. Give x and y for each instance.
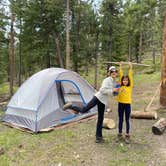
(120, 63)
(130, 64)
(115, 89)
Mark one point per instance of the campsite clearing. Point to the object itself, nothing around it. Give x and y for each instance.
(75, 144)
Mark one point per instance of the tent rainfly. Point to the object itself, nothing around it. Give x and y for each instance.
(38, 103)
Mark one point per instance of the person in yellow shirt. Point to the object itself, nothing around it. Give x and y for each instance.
(124, 102)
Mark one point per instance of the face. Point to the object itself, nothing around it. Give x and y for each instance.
(125, 81)
(113, 74)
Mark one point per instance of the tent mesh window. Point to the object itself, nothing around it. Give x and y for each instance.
(71, 93)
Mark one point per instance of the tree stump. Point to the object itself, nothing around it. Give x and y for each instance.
(159, 127)
(144, 115)
(108, 123)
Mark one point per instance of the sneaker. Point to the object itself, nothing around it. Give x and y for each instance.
(67, 105)
(127, 139)
(119, 137)
(99, 140)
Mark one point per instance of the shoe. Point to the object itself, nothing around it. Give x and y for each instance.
(67, 105)
(127, 139)
(119, 137)
(99, 140)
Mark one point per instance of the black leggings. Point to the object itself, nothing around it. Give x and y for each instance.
(124, 109)
(101, 107)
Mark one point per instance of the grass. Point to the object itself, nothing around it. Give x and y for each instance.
(4, 88)
(63, 146)
(75, 145)
(141, 79)
(18, 145)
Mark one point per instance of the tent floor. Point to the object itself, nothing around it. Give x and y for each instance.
(13, 125)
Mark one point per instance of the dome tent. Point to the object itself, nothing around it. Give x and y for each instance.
(38, 103)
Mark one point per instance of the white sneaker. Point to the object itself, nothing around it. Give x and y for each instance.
(67, 105)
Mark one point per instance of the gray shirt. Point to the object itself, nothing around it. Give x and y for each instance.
(106, 90)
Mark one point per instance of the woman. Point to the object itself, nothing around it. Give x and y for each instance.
(101, 100)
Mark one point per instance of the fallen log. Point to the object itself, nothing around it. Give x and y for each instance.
(108, 123)
(159, 127)
(143, 115)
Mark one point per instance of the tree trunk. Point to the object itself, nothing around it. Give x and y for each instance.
(56, 39)
(154, 56)
(48, 60)
(137, 39)
(96, 60)
(163, 68)
(11, 55)
(20, 57)
(129, 47)
(109, 47)
(159, 127)
(67, 36)
(20, 65)
(74, 46)
(75, 58)
(140, 48)
(110, 44)
(86, 69)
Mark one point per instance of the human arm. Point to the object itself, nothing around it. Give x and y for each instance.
(107, 87)
(131, 74)
(120, 71)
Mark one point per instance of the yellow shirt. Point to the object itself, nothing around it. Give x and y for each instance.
(125, 92)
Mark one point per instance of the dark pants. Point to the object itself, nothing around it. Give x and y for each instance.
(124, 108)
(101, 107)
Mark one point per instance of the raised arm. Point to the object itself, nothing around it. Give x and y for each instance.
(120, 71)
(131, 74)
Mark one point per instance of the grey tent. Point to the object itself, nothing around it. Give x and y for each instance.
(38, 103)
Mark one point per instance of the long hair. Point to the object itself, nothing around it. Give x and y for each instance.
(125, 77)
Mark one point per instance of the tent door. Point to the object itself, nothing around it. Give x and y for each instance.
(69, 92)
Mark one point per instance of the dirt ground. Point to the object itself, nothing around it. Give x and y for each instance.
(146, 149)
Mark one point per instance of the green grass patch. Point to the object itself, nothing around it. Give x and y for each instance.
(140, 79)
(5, 88)
(75, 145)
(19, 145)
(9, 137)
(1, 112)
